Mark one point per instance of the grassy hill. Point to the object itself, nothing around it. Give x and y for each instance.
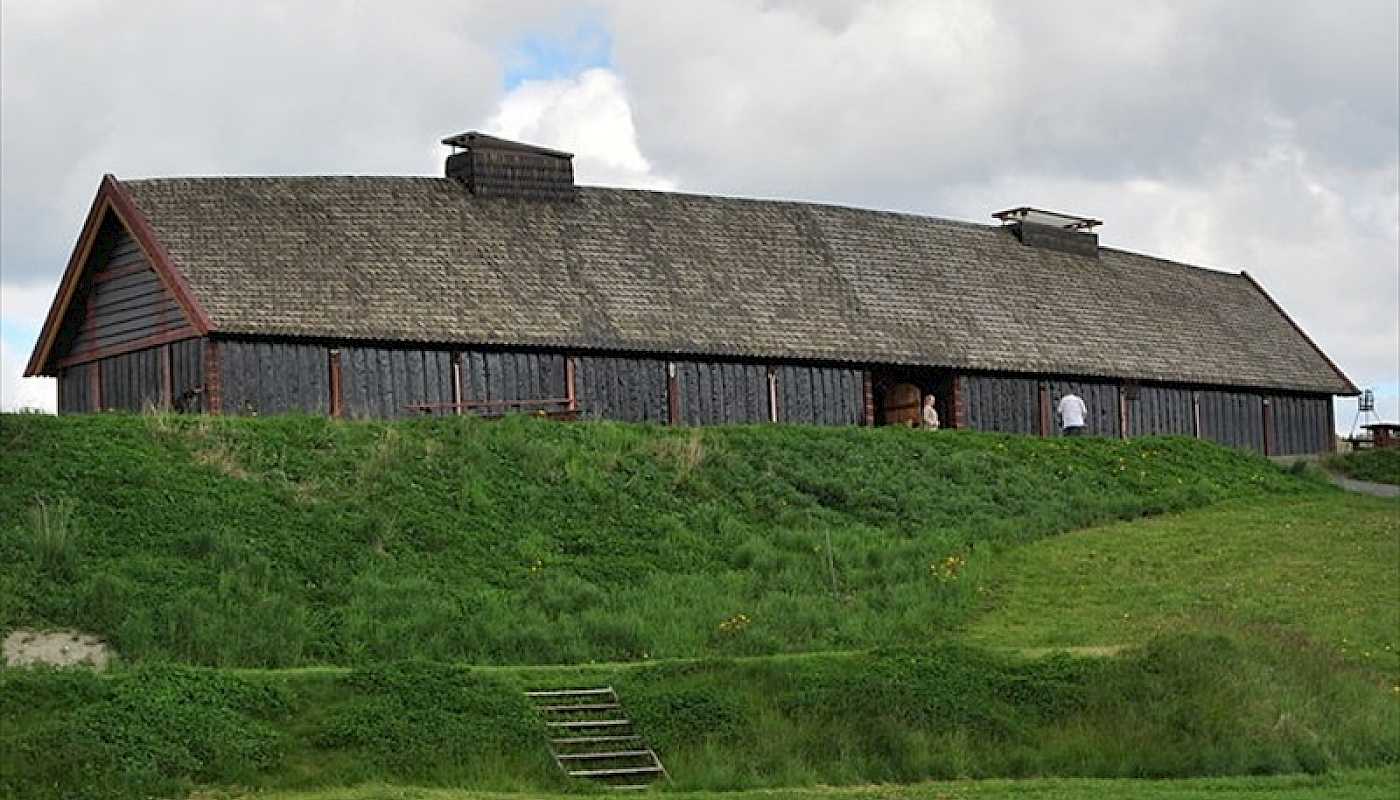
(291, 541)
(302, 604)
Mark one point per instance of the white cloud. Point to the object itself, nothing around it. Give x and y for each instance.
(588, 115)
(18, 393)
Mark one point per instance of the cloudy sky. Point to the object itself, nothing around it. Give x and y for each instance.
(1251, 136)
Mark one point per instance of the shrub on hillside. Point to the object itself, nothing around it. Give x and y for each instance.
(146, 732)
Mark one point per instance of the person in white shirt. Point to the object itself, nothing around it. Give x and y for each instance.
(1072, 413)
(930, 418)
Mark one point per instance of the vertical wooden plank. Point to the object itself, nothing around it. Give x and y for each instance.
(337, 393)
(673, 395)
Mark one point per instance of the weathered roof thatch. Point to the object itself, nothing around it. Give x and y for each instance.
(420, 259)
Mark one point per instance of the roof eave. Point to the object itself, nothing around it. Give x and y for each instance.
(1351, 390)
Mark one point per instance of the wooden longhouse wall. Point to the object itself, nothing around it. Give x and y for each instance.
(382, 383)
(820, 395)
(1004, 404)
(621, 388)
(512, 376)
(273, 377)
(1161, 411)
(1100, 398)
(719, 393)
(1301, 424)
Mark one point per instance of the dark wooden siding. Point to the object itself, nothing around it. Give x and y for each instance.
(624, 389)
(1301, 424)
(132, 381)
(274, 377)
(1234, 419)
(1101, 400)
(820, 395)
(1005, 404)
(74, 389)
(120, 298)
(187, 375)
(722, 393)
(507, 376)
(382, 382)
(1161, 411)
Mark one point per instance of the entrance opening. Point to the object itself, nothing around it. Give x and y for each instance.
(900, 392)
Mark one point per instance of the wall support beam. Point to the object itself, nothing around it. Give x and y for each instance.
(959, 409)
(772, 394)
(213, 383)
(569, 393)
(95, 386)
(457, 395)
(1268, 414)
(867, 390)
(336, 385)
(167, 379)
(673, 394)
(1043, 402)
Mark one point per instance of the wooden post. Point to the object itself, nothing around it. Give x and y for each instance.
(213, 387)
(673, 394)
(1127, 393)
(569, 384)
(959, 410)
(867, 389)
(772, 394)
(337, 385)
(95, 386)
(1269, 445)
(1331, 426)
(1043, 396)
(167, 379)
(457, 395)
(1196, 414)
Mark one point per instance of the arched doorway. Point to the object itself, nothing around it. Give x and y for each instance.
(901, 404)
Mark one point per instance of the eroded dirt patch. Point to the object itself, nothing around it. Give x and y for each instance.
(24, 648)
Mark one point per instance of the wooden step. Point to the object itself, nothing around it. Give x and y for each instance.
(594, 723)
(608, 773)
(569, 692)
(597, 739)
(614, 754)
(582, 707)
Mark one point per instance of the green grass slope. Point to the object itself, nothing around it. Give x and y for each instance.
(1319, 570)
(1378, 466)
(298, 540)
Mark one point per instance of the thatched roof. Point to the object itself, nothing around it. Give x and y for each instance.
(422, 260)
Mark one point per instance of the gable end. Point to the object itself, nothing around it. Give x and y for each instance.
(120, 292)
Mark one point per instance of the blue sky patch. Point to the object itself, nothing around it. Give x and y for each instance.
(563, 51)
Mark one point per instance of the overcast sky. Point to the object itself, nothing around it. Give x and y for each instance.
(1258, 136)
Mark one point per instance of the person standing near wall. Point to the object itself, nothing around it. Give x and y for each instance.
(930, 415)
(1072, 413)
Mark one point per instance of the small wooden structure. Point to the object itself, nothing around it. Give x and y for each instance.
(1384, 434)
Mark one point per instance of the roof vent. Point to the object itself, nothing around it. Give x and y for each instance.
(1053, 231)
(492, 167)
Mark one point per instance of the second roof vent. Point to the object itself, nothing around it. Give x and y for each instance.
(492, 167)
(1052, 230)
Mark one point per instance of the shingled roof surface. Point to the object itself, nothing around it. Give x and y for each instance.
(422, 260)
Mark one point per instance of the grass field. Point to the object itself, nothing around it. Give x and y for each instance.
(296, 601)
(1322, 569)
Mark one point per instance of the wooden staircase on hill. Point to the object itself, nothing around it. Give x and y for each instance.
(591, 738)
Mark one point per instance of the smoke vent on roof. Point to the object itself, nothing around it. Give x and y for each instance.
(1051, 230)
(493, 167)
